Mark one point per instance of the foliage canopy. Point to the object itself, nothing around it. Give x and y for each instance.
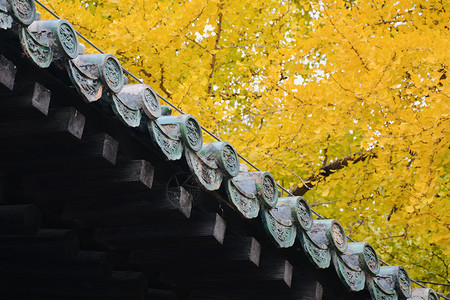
(346, 102)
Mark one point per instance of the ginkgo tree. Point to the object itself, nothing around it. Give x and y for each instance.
(345, 102)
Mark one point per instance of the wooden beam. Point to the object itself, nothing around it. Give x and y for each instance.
(47, 243)
(7, 74)
(90, 265)
(333, 291)
(121, 285)
(312, 291)
(19, 219)
(27, 101)
(273, 273)
(95, 150)
(126, 177)
(206, 230)
(234, 252)
(156, 294)
(64, 124)
(2, 192)
(126, 209)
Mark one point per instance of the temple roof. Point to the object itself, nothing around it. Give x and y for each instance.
(103, 179)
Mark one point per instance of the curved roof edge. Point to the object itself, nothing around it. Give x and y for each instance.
(99, 79)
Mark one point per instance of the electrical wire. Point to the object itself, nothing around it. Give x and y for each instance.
(418, 282)
(171, 105)
(435, 283)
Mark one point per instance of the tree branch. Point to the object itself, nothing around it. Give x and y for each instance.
(329, 169)
(161, 83)
(284, 167)
(161, 80)
(348, 41)
(214, 55)
(325, 160)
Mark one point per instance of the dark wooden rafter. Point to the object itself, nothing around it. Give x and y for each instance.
(235, 252)
(1, 192)
(47, 243)
(121, 285)
(127, 209)
(207, 229)
(65, 124)
(89, 265)
(137, 175)
(310, 290)
(271, 274)
(94, 150)
(27, 101)
(19, 219)
(7, 74)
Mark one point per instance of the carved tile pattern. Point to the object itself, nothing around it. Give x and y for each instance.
(282, 233)
(209, 157)
(112, 73)
(210, 178)
(353, 278)
(90, 69)
(230, 160)
(208, 175)
(248, 207)
(320, 256)
(378, 294)
(23, 8)
(152, 102)
(89, 87)
(40, 54)
(403, 280)
(338, 236)
(268, 189)
(68, 39)
(304, 214)
(192, 133)
(371, 259)
(129, 116)
(169, 147)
